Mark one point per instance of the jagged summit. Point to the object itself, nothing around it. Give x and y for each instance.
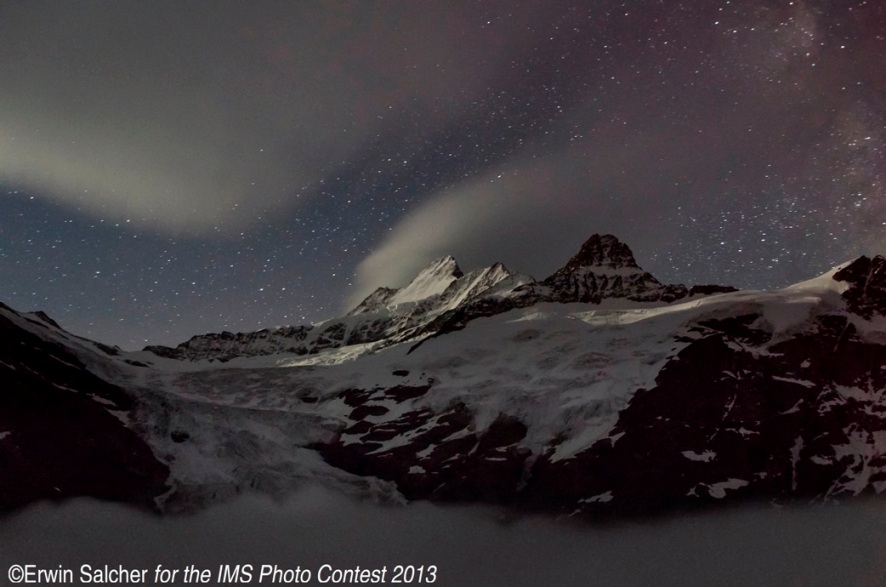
(570, 409)
(605, 268)
(442, 298)
(377, 299)
(602, 251)
(623, 408)
(433, 279)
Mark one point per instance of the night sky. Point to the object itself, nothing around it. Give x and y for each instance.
(172, 168)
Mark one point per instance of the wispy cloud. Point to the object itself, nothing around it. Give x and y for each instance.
(189, 117)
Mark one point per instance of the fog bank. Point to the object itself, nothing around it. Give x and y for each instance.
(832, 545)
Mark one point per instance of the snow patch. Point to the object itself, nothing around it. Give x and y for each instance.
(805, 383)
(614, 438)
(101, 400)
(599, 498)
(794, 409)
(717, 490)
(704, 457)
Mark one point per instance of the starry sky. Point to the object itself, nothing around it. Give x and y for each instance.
(170, 168)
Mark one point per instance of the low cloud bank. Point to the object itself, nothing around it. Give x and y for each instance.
(831, 545)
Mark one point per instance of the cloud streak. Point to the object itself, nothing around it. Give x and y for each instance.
(724, 157)
(156, 130)
(185, 119)
(327, 142)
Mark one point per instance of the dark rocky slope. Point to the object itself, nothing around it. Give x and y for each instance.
(61, 433)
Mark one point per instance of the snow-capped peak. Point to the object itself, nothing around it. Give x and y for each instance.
(476, 283)
(431, 280)
(374, 301)
(495, 379)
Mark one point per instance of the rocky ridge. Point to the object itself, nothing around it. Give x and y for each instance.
(64, 429)
(635, 406)
(442, 296)
(749, 404)
(385, 317)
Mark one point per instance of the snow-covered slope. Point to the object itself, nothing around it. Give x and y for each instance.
(500, 389)
(387, 316)
(64, 426)
(441, 298)
(431, 280)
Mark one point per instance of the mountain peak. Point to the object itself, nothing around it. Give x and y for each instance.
(433, 279)
(602, 251)
(605, 268)
(374, 301)
(440, 268)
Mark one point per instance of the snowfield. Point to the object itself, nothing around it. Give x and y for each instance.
(562, 369)
(598, 389)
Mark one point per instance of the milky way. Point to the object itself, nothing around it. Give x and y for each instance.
(172, 169)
